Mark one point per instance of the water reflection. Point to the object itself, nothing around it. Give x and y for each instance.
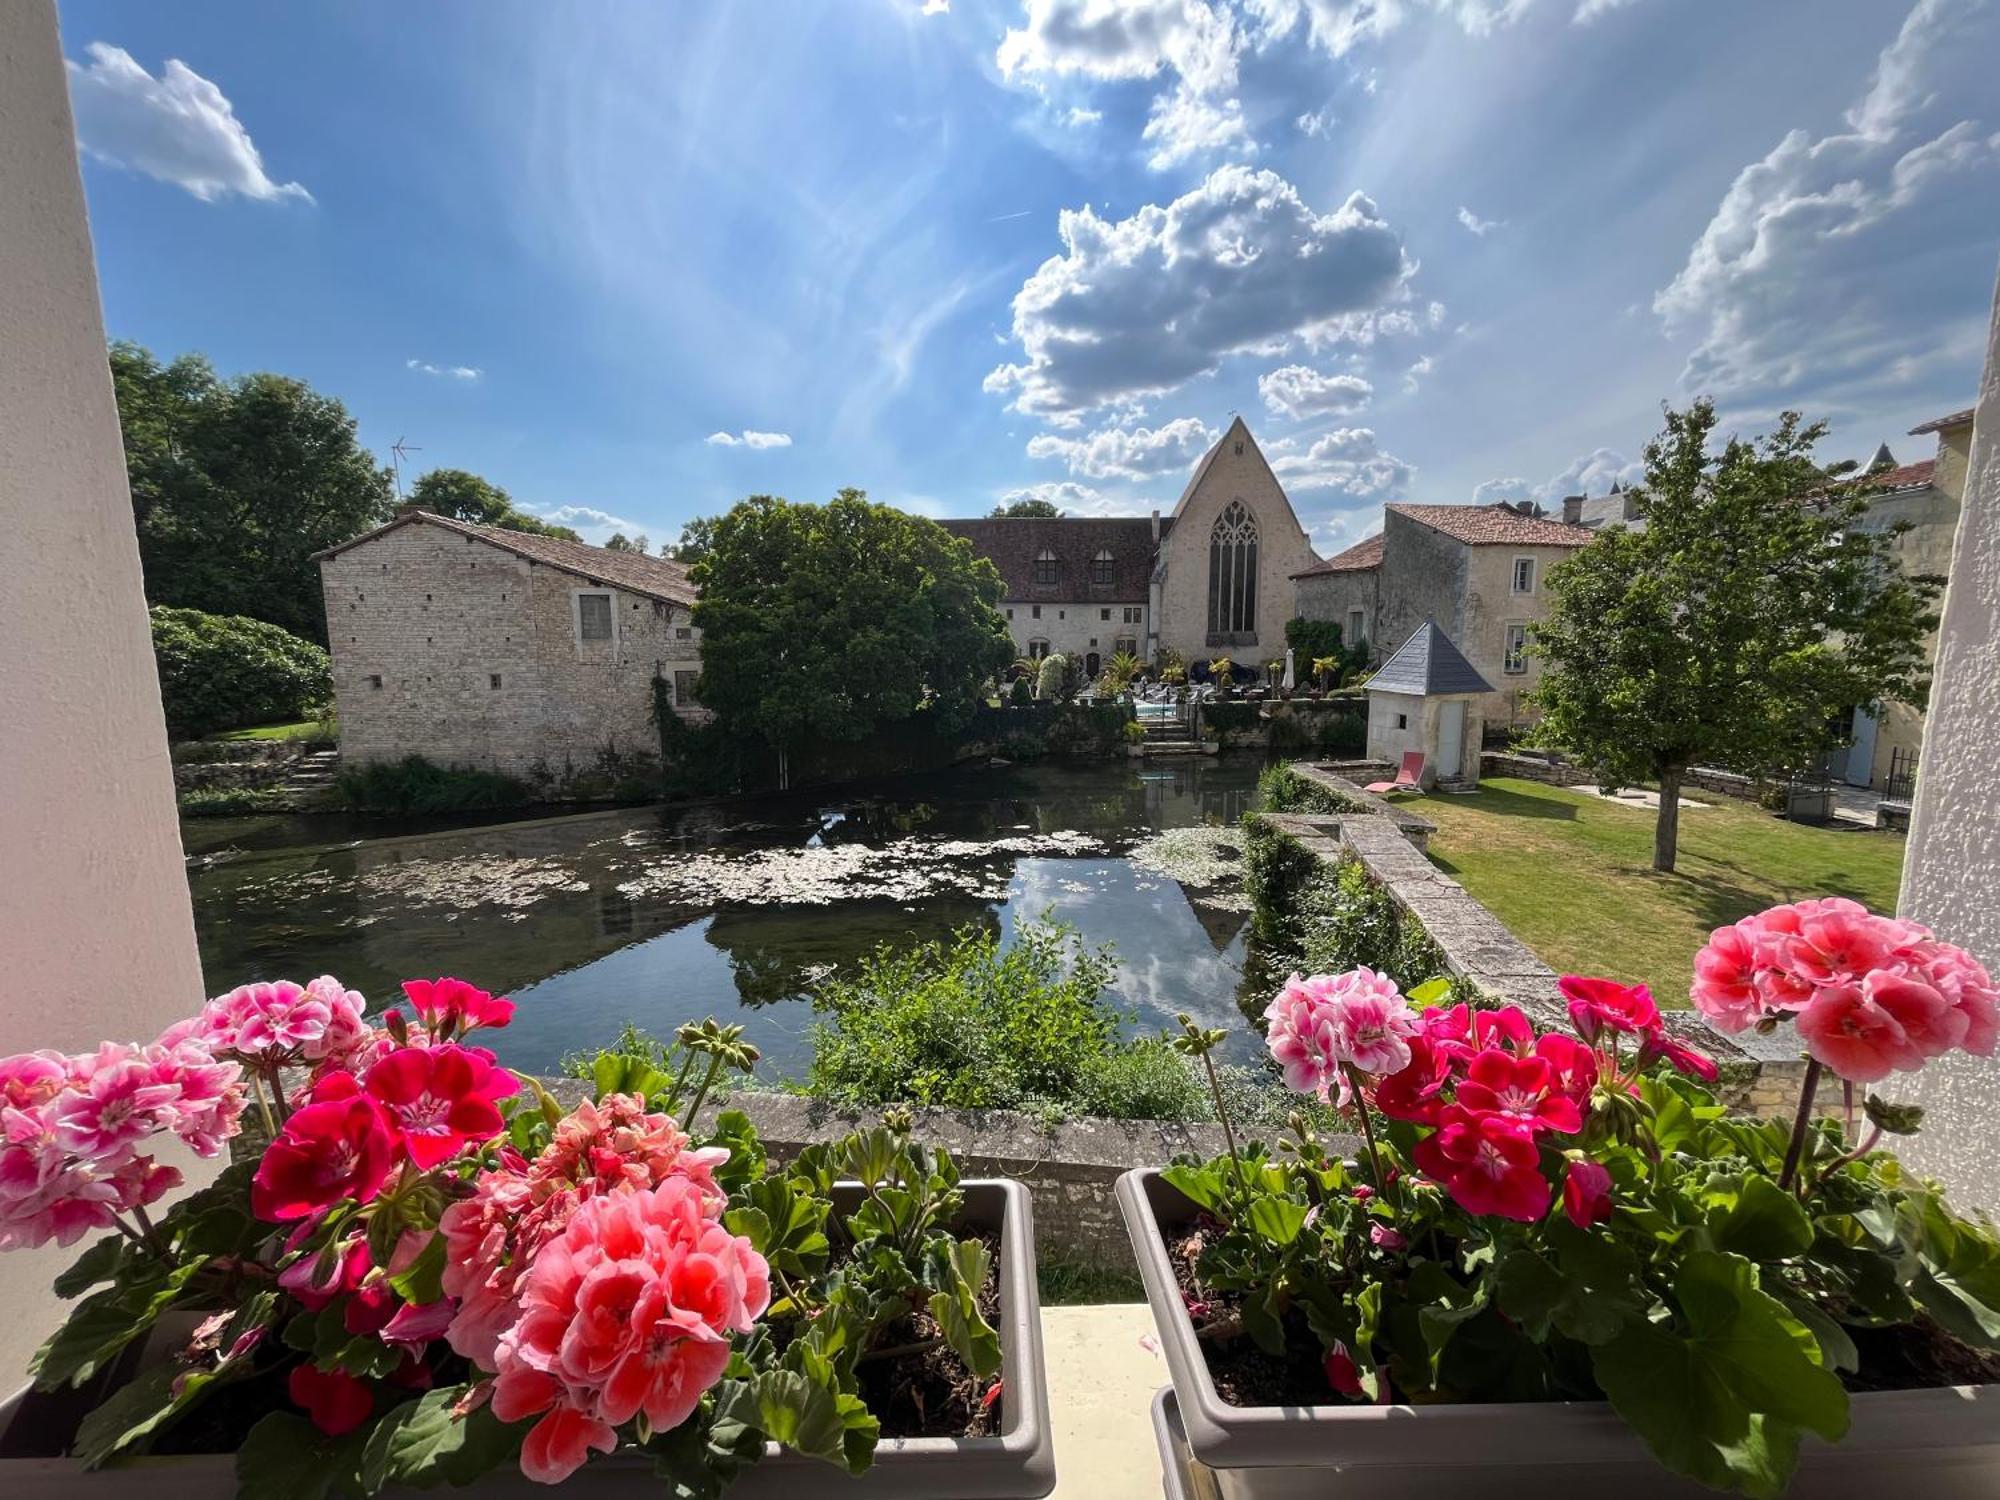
(592, 921)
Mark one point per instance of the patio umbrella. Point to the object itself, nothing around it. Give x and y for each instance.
(1291, 673)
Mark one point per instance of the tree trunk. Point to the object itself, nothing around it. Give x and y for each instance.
(1667, 831)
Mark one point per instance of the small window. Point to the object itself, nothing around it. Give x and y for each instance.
(1104, 614)
(1402, 721)
(493, 679)
(684, 687)
(1100, 567)
(375, 680)
(1356, 628)
(593, 617)
(1037, 610)
(1037, 649)
(1132, 612)
(1045, 569)
(1126, 645)
(1093, 646)
(1517, 651)
(1010, 614)
(1524, 575)
(683, 633)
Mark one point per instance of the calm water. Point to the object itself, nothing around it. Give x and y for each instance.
(733, 910)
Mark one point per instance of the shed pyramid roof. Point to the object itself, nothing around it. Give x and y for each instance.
(1427, 664)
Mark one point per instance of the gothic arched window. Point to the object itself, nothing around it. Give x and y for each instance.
(1045, 568)
(1232, 572)
(1100, 567)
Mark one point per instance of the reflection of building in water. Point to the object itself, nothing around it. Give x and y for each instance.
(1181, 796)
(614, 912)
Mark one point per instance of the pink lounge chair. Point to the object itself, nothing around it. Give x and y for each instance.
(1410, 778)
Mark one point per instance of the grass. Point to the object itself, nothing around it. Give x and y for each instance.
(1572, 875)
(1070, 1283)
(304, 729)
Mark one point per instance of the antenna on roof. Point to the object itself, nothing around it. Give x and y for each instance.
(398, 451)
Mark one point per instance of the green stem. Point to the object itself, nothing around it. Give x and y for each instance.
(1382, 1184)
(672, 1105)
(1228, 1134)
(1801, 1123)
(263, 1108)
(694, 1105)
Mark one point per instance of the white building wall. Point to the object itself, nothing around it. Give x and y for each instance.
(1075, 627)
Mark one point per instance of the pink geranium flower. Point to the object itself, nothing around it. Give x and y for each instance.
(440, 1098)
(335, 1149)
(1725, 979)
(1304, 1036)
(1488, 1164)
(1586, 1193)
(450, 1007)
(1600, 1005)
(1846, 1030)
(1375, 1023)
(1521, 1088)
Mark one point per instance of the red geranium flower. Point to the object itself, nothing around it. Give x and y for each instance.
(1597, 1005)
(333, 1149)
(336, 1401)
(1413, 1093)
(1586, 1193)
(1521, 1088)
(1488, 1163)
(440, 1098)
(451, 1007)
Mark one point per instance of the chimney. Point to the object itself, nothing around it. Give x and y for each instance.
(1156, 528)
(1573, 509)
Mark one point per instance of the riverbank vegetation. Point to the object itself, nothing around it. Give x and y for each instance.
(414, 785)
(225, 671)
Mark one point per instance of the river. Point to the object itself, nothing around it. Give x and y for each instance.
(660, 916)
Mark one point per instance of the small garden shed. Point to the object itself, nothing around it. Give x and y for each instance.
(1425, 698)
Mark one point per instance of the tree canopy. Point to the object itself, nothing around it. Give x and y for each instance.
(237, 483)
(464, 496)
(1042, 509)
(696, 537)
(1754, 607)
(827, 620)
(224, 671)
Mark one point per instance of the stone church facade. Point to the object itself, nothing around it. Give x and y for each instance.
(1211, 579)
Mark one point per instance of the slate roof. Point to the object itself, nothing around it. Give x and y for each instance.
(1938, 424)
(1356, 559)
(1014, 542)
(1428, 663)
(634, 572)
(1494, 526)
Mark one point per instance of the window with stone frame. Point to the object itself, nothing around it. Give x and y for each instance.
(1524, 575)
(1232, 572)
(684, 688)
(1133, 613)
(1125, 645)
(593, 617)
(1514, 660)
(1037, 649)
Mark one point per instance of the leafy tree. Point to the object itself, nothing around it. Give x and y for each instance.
(464, 496)
(825, 621)
(1060, 678)
(228, 671)
(619, 542)
(1729, 632)
(1036, 509)
(696, 538)
(237, 483)
(1313, 640)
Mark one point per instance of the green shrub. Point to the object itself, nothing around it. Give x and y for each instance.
(1282, 789)
(967, 1024)
(227, 671)
(416, 785)
(233, 801)
(1021, 693)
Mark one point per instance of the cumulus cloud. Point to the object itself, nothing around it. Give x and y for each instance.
(446, 372)
(1299, 392)
(1593, 474)
(936, 8)
(592, 524)
(1413, 377)
(1071, 498)
(1347, 461)
(1798, 280)
(749, 438)
(1590, 10)
(1498, 491)
(1128, 452)
(1479, 226)
(1138, 306)
(1337, 27)
(177, 127)
(1194, 43)
(1317, 123)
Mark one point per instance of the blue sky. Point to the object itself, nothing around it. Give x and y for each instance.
(1433, 250)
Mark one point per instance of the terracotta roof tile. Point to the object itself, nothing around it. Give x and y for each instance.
(1494, 526)
(1014, 542)
(634, 572)
(1907, 477)
(1356, 559)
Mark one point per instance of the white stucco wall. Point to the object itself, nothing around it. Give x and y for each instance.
(1075, 626)
(1390, 741)
(96, 932)
(1951, 873)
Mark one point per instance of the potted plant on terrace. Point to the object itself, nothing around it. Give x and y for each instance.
(1555, 1252)
(429, 1272)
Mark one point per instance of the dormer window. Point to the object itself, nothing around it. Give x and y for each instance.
(1045, 569)
(1100, 567)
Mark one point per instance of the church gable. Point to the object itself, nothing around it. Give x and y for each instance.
(1227, 562)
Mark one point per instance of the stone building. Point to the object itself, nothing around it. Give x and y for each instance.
(1211, 579)
(475, 646)
(1479, 571)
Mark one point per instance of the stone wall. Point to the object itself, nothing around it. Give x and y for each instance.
(1076, 626)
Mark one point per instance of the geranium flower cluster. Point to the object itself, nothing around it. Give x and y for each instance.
(1870, 994)
(1490, 1087)
(76, 1132)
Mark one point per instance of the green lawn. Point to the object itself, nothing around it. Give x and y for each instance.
(303, 729)
(1572, 875)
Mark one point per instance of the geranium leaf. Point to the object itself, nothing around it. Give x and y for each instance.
(1278, 1220)
(423, 1443)
(285, 1457)
(816, 1419)
(104, 1323)
(956, 1309)
(1766, 1223)
(1203, 1185)
(98, 1263)
(422, 1281)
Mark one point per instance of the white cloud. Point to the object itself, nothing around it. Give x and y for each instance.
(1299, 392)
(1801, 277)
(1592, 474)
(1497, 491)
(1071, 498)
(1317, 123)
(178, 128)
(1128, 452)
(1194, 42)
(1347, 460)
(1339, 26)
(592, 524)
(1076, 117)
(1138, 306)
(750, 439)
(1413, 376)
(1590, 10)
(448, 372)
(936, 8)
(1479, 226)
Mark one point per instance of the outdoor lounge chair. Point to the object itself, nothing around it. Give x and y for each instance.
(1410, 778)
